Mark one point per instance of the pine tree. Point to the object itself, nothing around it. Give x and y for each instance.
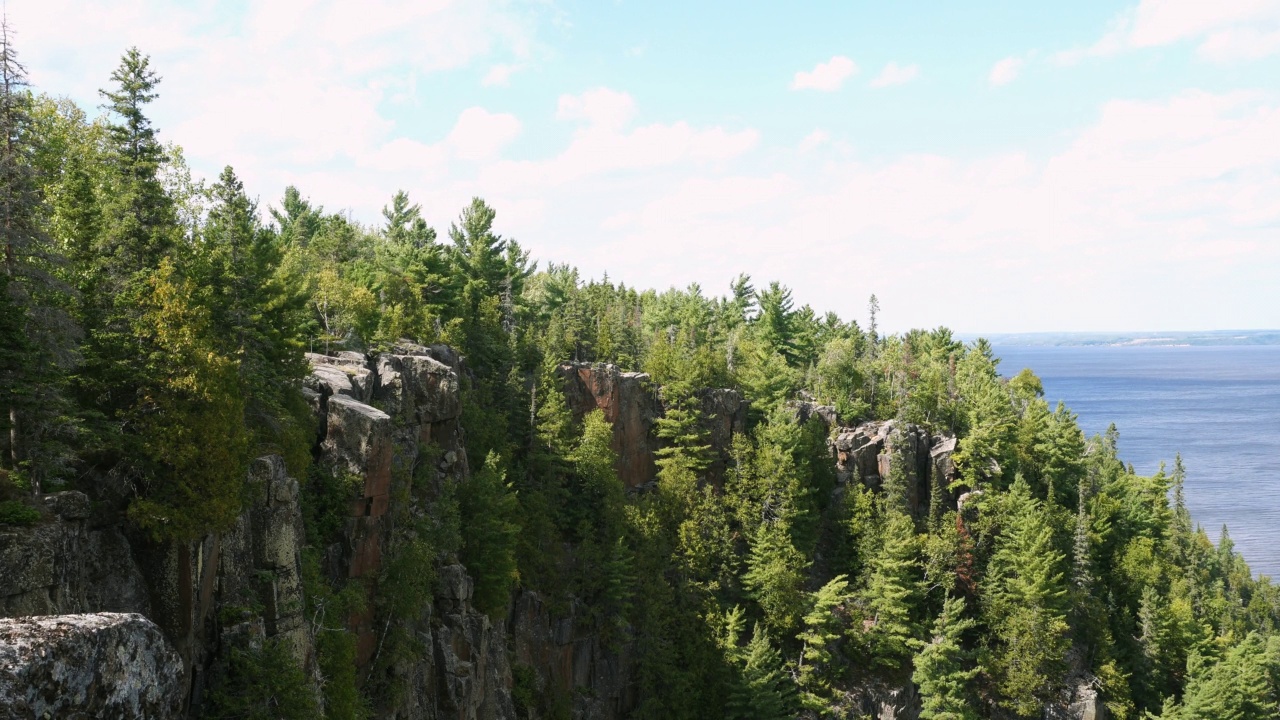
(37, 338)
(141, 227)
(776, 321)
(405, 224)
(942, 669)
(682, 427)
(192, 449)
(139, 230)
(775, 575)
(763, 690)
(893, 593)
(1026, 603)
(1239, 687)
(821, 665)
(490, 530)
(256, 314)
(297, 219)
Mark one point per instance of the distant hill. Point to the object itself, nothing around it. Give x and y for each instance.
(1166, 339)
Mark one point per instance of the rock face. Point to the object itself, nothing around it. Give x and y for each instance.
(629, 402)
(572, 660)
(869, 452)
(379, 436)
(104, 665)
(68, 565)
(724, 413)
(632, 406)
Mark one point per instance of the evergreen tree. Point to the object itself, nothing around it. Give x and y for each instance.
(257, 315)
(775, 576)
(37, 339)
(942, 669)
(763, 690)
(821, 663)
(191, 441)
(139, 230)
(490, 528)
(893, 594)
(1026, 603)
(1239, 687)
(682, 427)
(141, 220)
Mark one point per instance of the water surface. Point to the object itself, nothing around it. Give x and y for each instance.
(1218, 406)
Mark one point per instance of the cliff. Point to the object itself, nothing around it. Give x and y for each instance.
(130, 628)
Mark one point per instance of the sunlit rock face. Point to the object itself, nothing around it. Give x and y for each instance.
(632, 404)
(102, 665)
(868, 453)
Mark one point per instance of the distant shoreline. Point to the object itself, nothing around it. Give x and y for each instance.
(1215, 338)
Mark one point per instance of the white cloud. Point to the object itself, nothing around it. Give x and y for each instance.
(606, 144)
(895, 74)
(1005, 71)
(813, 141)
(499, 75)
(827, 76)
(288, 91)
(1154, 194)
(480, 134)
(1225, 30)
(600, 106)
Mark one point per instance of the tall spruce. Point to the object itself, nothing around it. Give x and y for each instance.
(944, 672)
(37, 338)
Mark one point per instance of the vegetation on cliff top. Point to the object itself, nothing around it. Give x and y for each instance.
(151, 338)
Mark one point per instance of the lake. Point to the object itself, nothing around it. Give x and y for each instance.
(1218, 406)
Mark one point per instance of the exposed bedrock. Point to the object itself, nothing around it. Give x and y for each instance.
(869, 452)
(105, 665)
(632, 404)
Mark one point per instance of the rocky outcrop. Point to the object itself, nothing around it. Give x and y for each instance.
(629, 402)
(103, 665)
(871, 451)
(346, 373)
(724, 416)
(401, 442)
(632, 405)
(572, 661)
(806, 409)
(68, 564)
(206, 597)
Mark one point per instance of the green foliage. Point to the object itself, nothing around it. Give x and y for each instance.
(18, 513)
(763, 690)
(190, 418)
(152, 331)
(893, 594)
(1242, 686)
(822, 664)
(942, 669)
(490, 527)
(264, 682)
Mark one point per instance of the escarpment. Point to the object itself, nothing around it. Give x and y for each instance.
(389, 446)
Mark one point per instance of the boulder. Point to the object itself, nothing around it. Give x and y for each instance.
(103, 665)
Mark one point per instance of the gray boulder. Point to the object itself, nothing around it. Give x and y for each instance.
(104, 665)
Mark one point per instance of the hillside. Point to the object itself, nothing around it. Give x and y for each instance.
(362, 471)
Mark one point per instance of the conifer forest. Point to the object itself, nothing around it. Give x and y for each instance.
(717, 503)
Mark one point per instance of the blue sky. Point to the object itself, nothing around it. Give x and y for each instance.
(990, 166)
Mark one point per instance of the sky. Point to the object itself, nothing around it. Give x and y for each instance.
(988, 166)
